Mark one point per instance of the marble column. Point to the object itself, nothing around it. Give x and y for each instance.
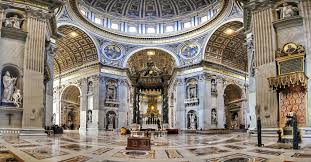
(251, 90)
(135, 111)
(83, 105)
(204, 87)
(33, 110)
(221, 112)
(50, 52)
(94, 96)
(306, 14)
(123, 108)
(180, 104)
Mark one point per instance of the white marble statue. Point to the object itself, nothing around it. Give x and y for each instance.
(89, 116)
(214, 116)
(192, 121)
(287, 11)
(13, 22)
(214, 84)
(110, 118)
(8, 85)
(17, 98)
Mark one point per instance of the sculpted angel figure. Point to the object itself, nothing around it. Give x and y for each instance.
(287, 11)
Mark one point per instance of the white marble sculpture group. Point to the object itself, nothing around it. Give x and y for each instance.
(13, 22)
(10, 92)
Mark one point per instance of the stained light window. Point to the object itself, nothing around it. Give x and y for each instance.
(203, 19)
(83, 12)
(132, 29)
(115, 26)
(169, 29)
(98, 20)
(187, 25)
(150, 30)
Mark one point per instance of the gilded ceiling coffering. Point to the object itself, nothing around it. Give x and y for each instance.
(148, 9)
(232, 93)
(74, 49)
(71, 94)
(161, 59)
(228, 48)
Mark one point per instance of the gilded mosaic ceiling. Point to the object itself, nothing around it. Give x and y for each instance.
(226, 46)
(148, 9)
(74, 49)
(161, 59)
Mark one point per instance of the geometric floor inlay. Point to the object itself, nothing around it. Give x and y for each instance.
(131, 154)
(79, 158)
(110, 146)
(8, 156)
(237, 158)
(206, 151)
(44, 152)
(172, 154)
(268, 152)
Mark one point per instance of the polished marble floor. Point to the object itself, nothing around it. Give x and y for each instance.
(110, 147)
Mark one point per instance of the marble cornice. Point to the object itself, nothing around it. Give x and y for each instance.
(76, 70)
(33, 4)
(254, 6)
(131, 39)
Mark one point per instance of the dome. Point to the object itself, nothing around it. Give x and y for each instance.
(149, 9)
(149, 18)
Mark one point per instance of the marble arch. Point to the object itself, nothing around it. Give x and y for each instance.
(75, 48)
(227, 48)
(70, 107)
(126, 59)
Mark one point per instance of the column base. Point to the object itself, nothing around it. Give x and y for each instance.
(32, 132)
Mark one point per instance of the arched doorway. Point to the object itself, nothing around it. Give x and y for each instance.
(111, 120)
(233, 107)
(192, 120)
(70, 108)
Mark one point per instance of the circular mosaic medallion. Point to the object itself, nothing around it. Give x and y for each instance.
(190, 50)
(112, 52)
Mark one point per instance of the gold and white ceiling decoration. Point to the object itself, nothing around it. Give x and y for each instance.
(226, 46)
(74, 49)
(232, 93)
(71, 94)
(161, 59)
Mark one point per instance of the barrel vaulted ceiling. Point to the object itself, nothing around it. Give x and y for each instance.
(74, 49)
(226, 46)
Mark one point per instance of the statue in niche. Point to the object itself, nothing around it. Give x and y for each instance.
(287, 11)
(214, 84)
(13, 22)
(235, 121)
(90, 87)
(192, 92)
(17, 98)
(8, 85)
(110, 93)
(111, 118)
(192, 121)
(89, 116)
(214, 116)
